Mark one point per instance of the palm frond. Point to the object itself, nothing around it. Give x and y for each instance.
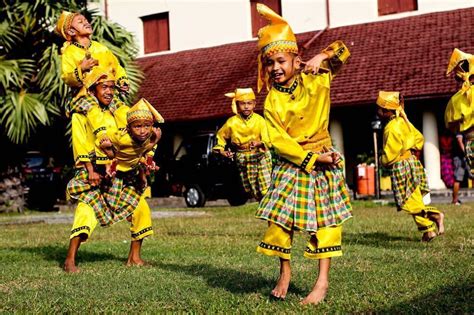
(13, 73)
(21, 112)
(9, 36)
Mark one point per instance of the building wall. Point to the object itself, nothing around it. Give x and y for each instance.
(205, 23)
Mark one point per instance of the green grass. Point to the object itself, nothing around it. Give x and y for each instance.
(209, 264)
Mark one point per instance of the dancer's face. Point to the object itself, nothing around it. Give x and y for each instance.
(246, 107)
(104, 92)
(140, 129)
(281, 67)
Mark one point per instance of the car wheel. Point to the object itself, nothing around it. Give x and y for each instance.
(194, 196)
(237, 196)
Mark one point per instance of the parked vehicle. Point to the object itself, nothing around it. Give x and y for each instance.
(43, 181)
(200, 175)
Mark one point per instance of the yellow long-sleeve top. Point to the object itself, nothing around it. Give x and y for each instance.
(298, 117)
(129, 152)
(458, 115)
(398, 140)
(240, 131)
(82, 139)
(73, 55)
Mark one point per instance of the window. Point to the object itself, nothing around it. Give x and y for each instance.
(396, 6)
(156, 36)
(257, 21)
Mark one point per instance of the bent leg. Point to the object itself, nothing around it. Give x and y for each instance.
(140, 228)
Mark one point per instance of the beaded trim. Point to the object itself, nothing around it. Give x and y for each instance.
(306, 160)
(80, 46)
(289, 90)
(135, 235)
(323, 250)
(274, 247)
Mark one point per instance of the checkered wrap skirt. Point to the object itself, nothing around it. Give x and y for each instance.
(112, 202)
(297, 200)
(255, 172)
(470, 154)
(406, 176)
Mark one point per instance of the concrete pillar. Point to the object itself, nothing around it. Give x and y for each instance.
(431, 151)
(335, 129)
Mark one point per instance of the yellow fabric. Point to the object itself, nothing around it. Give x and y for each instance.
(143, 110)
(64, 23)
(458, 115)
(102, 122)
(297, 123)
(128, 152)
(82, 139)
(275, 37)
(326, 243)
(141, 226)
(240, 131)
(245, 94)
(72, 57)
(277, 242)
(456, 57)
(398, 138)
(393, 101)
(84, 220)
(415, 206)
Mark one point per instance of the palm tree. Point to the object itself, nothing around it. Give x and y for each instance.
(32, 92)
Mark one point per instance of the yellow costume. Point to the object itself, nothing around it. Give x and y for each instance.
(73, 54)
(254, 164)
(303, 195)
(408, 176)
(458, 115)
(95, 204)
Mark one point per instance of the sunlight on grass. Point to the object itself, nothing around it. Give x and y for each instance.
(209, 264)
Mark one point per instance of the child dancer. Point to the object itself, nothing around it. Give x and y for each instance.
(400, 140)
(247, 133)
(308, 191)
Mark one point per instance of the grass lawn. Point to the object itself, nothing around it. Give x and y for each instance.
(209, 264)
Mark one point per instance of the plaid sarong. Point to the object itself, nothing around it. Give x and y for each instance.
(406, 176)
(112, 202)
(470, 155)
(297, 200)
(255, 172)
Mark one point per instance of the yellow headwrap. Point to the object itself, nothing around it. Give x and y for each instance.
(98, 74)
(143, 110)
(64, 23)
(393, 101)
(456, 57)
(275, 37)
(240, 95)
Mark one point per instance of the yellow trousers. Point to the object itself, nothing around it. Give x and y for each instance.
(325, 243)
(85, 221)
(421, 213)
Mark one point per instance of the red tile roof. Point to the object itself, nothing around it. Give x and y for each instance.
(408, 55)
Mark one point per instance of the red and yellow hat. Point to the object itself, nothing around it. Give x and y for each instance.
(273, 38)
(143, 110)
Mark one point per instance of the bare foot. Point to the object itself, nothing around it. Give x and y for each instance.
(135, 262)
(439, 220)
(317, 295)
(70, 267)
(281, 288)
(428, 236)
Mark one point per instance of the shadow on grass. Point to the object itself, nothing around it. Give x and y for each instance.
(235, 281)
(452, 299)
(58, 254)
(379, 239)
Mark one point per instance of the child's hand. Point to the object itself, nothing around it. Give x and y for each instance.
(88, 63)
(157, 132)
(255, 144)
(329, 158)
(94, 178)
(111, 169)
(107, 147)
(312, 65)
(227, 154)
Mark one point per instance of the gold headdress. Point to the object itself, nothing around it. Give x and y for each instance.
(97, 75)
(275, 37)
(64, 23)
(143, 110)
(393, 101)
(240, 95)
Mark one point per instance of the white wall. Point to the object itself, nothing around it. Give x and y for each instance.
(205, 23)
